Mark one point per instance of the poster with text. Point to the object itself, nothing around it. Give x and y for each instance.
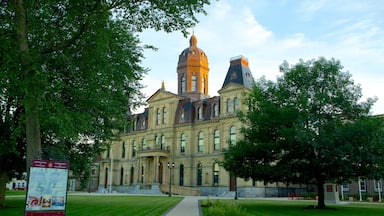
(47, 188)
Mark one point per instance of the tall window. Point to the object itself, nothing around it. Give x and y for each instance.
(201, 142)
(134, 148)
(199, 113)
(183, 84)
(144, 144)
(203, 84)
(194, 83)
(363, 185)
(216, 174)
(235, 104)
(121, 175)
(181, 174)
(378, 185)
(123, 150)
(162, 146)
(157, 141)
(345, 187)
(182, 143)
(199, 174)
(165, 115)
(215, 110)
(229, 106)
(232, 134)
(158, 116)
(131, 176)
(216, 140)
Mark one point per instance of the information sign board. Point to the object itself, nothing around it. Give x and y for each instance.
(47, 188)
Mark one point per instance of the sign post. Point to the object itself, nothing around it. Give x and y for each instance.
(47, 188)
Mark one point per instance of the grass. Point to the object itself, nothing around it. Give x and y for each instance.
(248, 207)
(103, 205)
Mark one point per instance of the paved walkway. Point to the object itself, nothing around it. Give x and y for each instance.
(189, 206)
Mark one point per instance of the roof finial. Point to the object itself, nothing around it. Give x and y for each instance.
(162, 85)
(193, 40)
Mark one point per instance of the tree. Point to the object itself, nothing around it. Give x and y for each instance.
(308, 127)
(74, 66)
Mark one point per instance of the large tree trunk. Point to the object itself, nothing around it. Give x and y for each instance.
(320, 193)
(31, 96)
(3, 182)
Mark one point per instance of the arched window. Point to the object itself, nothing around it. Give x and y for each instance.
(133, 148)
(123, 150)
(199, 174)
(232, 135)
(229, 106)
(236, 104)
(182, 143)
(216, 140)
(200, 146)
(121, 175)
(183, 84)
(158, 116)
(162, 146)
(194, 83)
(216, 174)
(181, 174)
(164, 115)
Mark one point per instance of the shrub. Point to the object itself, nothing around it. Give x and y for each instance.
(217, 208)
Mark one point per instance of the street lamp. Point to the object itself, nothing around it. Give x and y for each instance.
(170, 166)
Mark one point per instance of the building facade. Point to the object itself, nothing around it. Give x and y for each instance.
(179, 139)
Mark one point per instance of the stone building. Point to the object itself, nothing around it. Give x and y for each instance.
(179, 138)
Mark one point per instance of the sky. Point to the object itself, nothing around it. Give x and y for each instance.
(269, 32)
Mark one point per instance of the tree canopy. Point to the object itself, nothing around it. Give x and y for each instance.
(70, 70)
(311, 127)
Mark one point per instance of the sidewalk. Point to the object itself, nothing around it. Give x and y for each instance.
(189, 206)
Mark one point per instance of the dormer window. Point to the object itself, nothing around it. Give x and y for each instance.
(199, 113)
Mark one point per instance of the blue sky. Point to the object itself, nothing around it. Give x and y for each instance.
(268, 32)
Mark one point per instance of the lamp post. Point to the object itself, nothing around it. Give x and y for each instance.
(170, 166)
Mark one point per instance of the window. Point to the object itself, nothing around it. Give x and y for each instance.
(134, 148)
(236, 104)
(232, 135)
(216, 174)
(215, 110)
(182, 143)
(157, 142)
(194, 83)
(378, 186)
(157, 116)
(216, 140)
(199, 174)
(345, 187)
(229, 106)
(143, 143)
(131, 177)
(182, 114)
(183, 84)
(201, 142)
(123, 150)
(109, 152)
(363, 185)
(199, 113)
(165, 115)
(203, 85)
(162, 146)
(121, 175)
(181, 174)
(134, 124)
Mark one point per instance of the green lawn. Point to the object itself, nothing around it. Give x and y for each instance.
(104, 205)
(294, 208)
